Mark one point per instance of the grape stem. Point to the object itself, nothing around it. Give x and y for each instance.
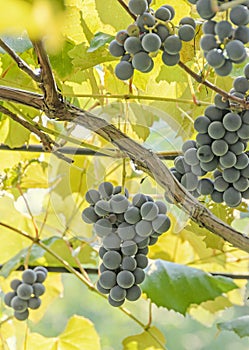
(123, 4)
(231, 4)
(213, 87)
(20, 62)
(137, 97)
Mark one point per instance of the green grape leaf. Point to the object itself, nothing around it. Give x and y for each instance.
(239, 325)
(85, 254)
(177, 286)
(106, 11)
(171, 74)
(149, 340)
(19, 43)
(61, 62)
(99, 40)
(79, 334)
(83, 59)
(141, 117)
(35, 253)
(13, 263)
(15, 135)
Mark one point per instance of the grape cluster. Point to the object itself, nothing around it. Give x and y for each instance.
(223, 133)
(26, 292)
(223, 42)
(142, 40)
(125, 229)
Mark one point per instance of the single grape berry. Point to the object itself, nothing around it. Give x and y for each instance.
(143, 228)
(151, 42)
(112, 260)
(129, 248)
(117, 293)
(125, 279)
(119, 203)
(124, 70)
(139, 275)
(149, 211)
(24, 291)
(138, 7)
(15, 283)
(115, 303)
(19, 304)
(21, 316)
(132, 215)
(38, 289)
(92, 196)
(34, 303)
(89, 215)
(133, 293)
(29, 276)
(8, 297)
(107, 279)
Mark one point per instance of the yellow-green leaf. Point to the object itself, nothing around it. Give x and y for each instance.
(153, 339)
(79, 334)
